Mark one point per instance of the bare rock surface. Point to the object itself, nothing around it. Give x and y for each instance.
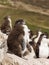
(11, 59)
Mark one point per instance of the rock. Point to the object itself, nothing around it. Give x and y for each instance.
(11, 59)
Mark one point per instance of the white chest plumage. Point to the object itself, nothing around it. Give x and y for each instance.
(26, 36)
(44, 49)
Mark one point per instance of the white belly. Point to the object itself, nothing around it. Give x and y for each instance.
(43, 51)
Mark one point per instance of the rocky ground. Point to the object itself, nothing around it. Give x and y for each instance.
(11, 59)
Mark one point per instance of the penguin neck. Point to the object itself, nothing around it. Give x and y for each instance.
(37, 38)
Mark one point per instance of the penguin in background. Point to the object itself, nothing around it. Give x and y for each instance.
(6, 26)
(42, 49)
